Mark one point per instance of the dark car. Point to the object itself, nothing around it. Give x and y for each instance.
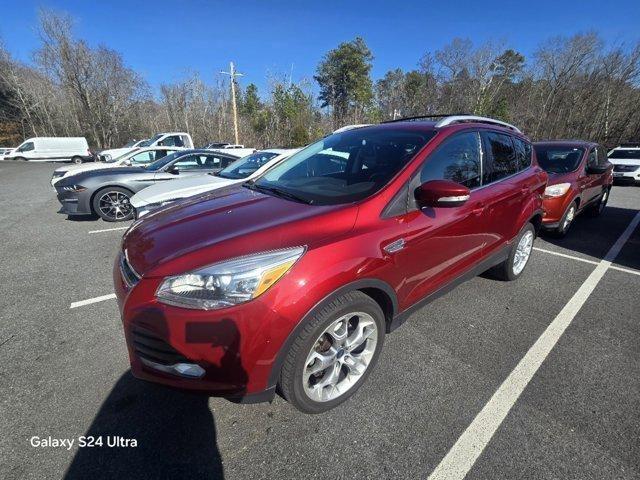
(580, 179)
(107, 192)
(292, 280)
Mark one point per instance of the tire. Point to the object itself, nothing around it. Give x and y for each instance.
(566, 221)
(598, 207)
(120, 199)
(298, 378)
(511, 269)
(77, 160)
(19, 159)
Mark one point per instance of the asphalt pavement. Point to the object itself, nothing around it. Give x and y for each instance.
(459, 389)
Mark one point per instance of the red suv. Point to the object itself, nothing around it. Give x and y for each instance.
(580, 178)
(291, 281)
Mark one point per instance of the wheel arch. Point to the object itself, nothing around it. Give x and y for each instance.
(378, 290)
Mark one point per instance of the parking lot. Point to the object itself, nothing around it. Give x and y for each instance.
(474, 383)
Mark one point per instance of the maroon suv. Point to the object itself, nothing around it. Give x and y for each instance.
(291, 281)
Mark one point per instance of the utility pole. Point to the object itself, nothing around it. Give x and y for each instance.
(233, 74)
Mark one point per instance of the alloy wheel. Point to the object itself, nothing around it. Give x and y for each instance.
(115, 205)
(569, 218)
(340, 356)
(523, 252)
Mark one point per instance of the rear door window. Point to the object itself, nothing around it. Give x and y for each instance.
(458, 160)
(523, 153)
(500, 160)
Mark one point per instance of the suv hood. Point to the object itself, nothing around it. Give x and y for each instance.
(625, 161)
(180, 188)
(225, 224)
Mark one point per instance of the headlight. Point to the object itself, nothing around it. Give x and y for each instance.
(142, 211)
(106, 157)
(557, 190)
(228, 283)
(74, 188)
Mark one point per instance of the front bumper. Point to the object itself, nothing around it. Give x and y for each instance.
(627, 176)
(74, 203)
(228, 352)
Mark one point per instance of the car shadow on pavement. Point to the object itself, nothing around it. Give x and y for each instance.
(595, 236)
(175, 434)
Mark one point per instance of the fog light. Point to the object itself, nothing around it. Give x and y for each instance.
(189, 370)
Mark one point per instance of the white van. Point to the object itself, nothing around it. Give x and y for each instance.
(52, 149)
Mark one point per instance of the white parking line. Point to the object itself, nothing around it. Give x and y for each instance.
(564, 255)
(585, 260)
(109, 229)
(464, 453)
(89, 301)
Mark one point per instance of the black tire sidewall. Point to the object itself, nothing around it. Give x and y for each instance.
(352, 302)
(96, 199)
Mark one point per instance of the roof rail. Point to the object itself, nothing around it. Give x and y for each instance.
(351, 127)
(422, 117)
(472, 118)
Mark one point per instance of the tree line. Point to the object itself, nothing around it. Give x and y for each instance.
(571, 87)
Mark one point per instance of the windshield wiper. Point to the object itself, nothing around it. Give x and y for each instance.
(277, 192)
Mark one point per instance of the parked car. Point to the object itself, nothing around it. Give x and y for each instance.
(292, 280)
(4, 152)
(170, 139)
(137, 157)
(241, 170)
(580, 179)
(52, 149)
(626, 163)
(107, 192)
(238, 152)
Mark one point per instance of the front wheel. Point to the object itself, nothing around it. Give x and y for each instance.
(597, 209)
(334, 354)
(513, 266)
(113, 204)
(77, 160)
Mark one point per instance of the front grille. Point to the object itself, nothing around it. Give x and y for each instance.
(149, 346)
(128, 273)
(625, 168)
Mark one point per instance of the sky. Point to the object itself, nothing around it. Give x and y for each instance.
(166, 41)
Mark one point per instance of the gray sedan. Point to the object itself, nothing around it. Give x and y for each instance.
(106, 192)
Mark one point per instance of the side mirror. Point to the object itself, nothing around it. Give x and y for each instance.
(173, 170)
(127, 162)
(441, 193)
(598, 169)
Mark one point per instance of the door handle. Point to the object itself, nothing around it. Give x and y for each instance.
(394, 247)
(478, 209)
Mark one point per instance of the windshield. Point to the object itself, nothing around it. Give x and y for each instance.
(158, 164)
(559, 159)
(132, 143)
(344, 167)
(625, 154)
(151, 141)
(246, 166)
